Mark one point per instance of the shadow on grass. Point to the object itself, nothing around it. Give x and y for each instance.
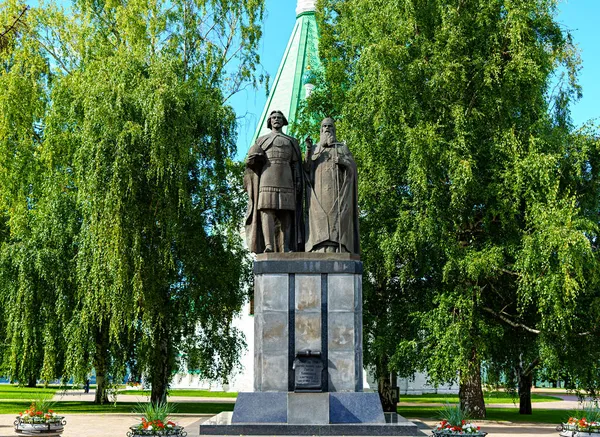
(184, 392)
(547, 416)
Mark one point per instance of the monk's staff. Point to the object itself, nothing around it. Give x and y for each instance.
(337, 189)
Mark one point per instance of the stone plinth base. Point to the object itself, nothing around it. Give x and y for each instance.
(307, 302)
(320, 414)
(308, 408)
(222, 424)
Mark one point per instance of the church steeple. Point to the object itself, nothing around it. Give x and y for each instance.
(300, 60)
(305, 6)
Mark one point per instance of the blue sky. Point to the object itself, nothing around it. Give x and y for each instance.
(581, 18)
(578, 16)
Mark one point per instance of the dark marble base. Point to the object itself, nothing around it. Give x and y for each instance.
(308, 408)
(260, 407)
(221, 425)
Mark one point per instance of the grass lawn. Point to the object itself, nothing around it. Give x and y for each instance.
(497, 414)
(184, 392)
(9, 391)
(494, 397)
(76, 407)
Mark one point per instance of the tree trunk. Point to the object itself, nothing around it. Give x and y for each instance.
(101, 364)
(31, 382)
(100, 397)
(470, 392)
(525, 381)
(161, 370)
(383, 385)
(385, 394)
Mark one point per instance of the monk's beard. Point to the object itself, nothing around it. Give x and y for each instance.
(327, 139)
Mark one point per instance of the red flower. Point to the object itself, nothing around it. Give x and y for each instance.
(583, 423)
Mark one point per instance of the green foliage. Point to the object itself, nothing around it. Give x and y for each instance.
(151, 411)
(42, 404)
(453, 414)
(478, 197)
(119, 194)
(590, 411)
(37, 220)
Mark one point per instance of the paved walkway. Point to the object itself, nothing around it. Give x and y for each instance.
(497, 429)
(117, 425)
(102, 425)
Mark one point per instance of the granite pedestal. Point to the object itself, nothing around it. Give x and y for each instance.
(307, 301)
(322, 414)
(221, 424)
(308, 304)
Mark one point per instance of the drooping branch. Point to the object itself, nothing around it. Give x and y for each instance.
(54, 55)
(532, 366)
(12, 27)
(509, 272)
(504, 317)
(510, 322)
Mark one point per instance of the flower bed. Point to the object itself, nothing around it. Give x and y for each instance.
(155, 422)
(580, 427)
(46, 429)
(40, 420)
(445, 428)
(168, 430)
(456, 423)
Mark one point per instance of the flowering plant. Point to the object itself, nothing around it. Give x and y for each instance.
(134, 385)
(40, 411)
(455, 423)
(155, 421)
(445, 427)
(582, 425)
(155, 424)
(588, 421)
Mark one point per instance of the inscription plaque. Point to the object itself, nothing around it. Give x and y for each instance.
(308, 372)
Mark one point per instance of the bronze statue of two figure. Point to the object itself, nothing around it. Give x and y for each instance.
(295, 204)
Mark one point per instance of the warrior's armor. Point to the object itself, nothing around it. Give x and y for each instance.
(277, 182)
(273, 180)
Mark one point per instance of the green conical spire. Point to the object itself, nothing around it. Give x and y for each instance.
(300, 61)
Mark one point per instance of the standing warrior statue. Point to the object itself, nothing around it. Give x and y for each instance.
(273, 181)
(332, 195)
